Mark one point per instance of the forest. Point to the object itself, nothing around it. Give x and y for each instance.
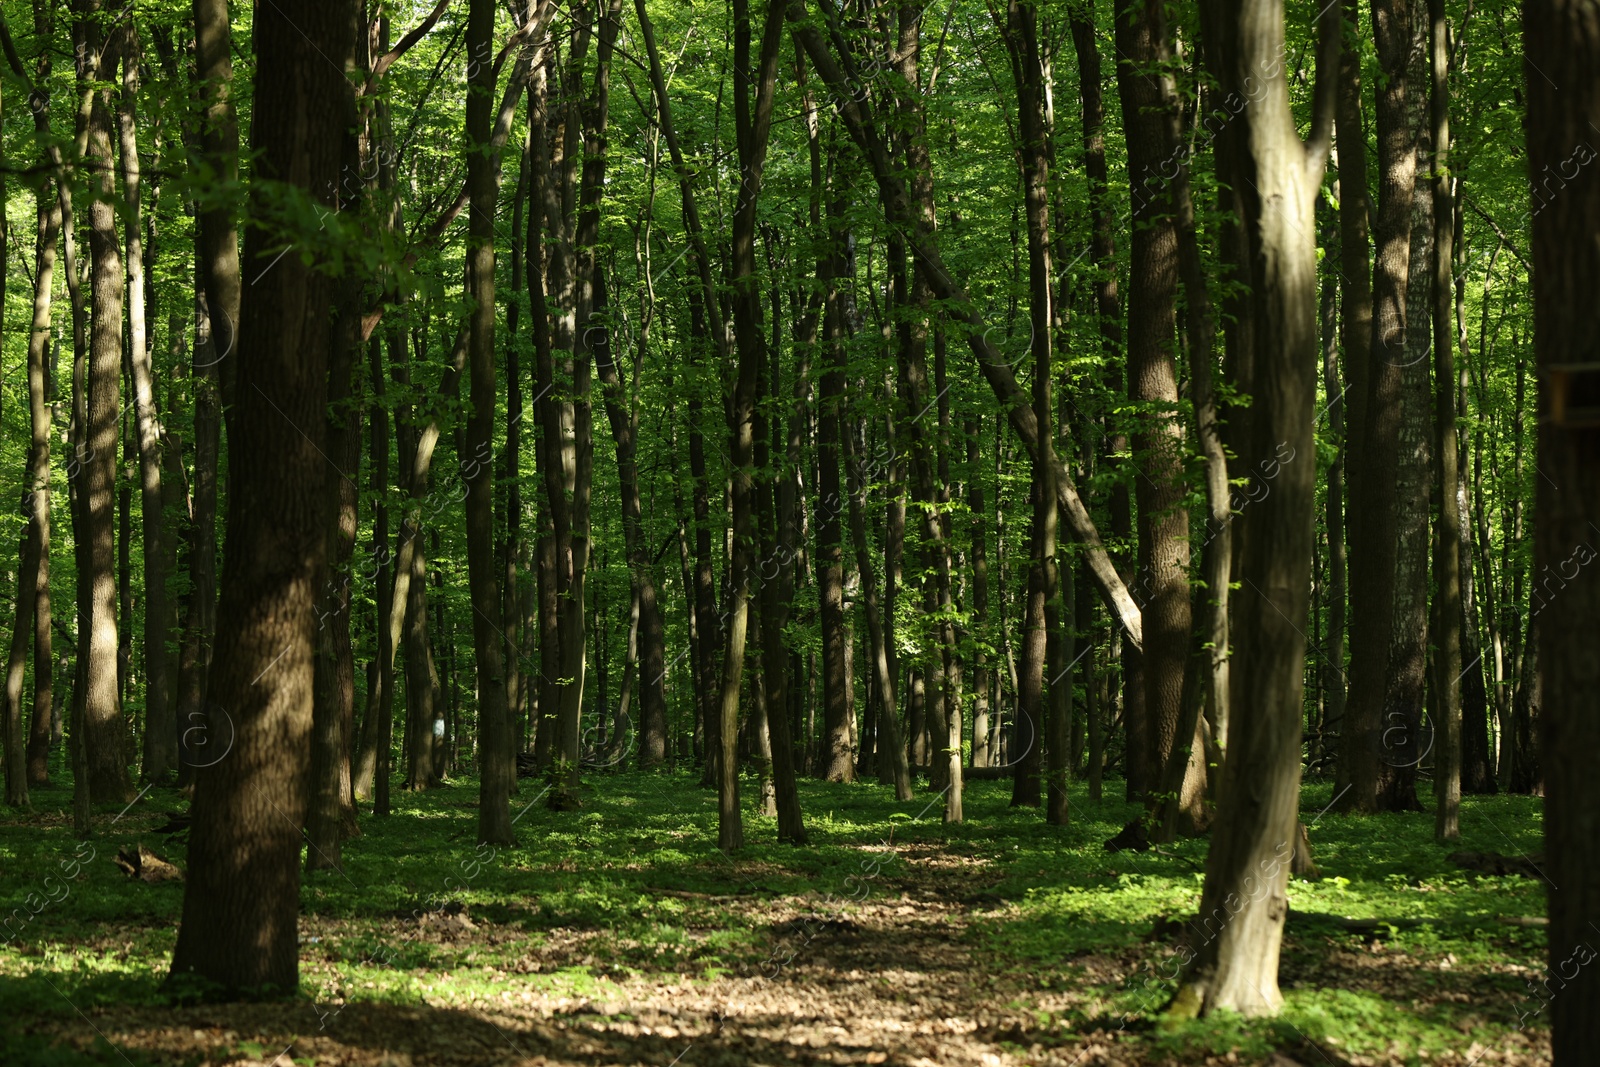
(993, 532)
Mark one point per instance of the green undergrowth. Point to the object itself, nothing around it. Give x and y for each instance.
(631, 886)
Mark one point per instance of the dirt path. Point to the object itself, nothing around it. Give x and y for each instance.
(888, 970)
(885, 973)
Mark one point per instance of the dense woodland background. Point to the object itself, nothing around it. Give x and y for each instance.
(866, 390)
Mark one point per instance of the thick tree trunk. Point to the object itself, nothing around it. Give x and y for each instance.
(241, 896)
(1407, 738)
(1235, 942)
(1562, 41)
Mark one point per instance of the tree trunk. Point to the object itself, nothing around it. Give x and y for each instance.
(105, 732)
(622, 414)
(1150, 109)
(1235, 942)
(496, 759)
(1374, 535)
(241, 896)
(218, 273)
(1347, 414)
(1562, 41)
(1447, 535)
(32, 624)
(979, 559)
(161, 737)
(835, 764)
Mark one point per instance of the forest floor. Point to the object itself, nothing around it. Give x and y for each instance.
(617, 934)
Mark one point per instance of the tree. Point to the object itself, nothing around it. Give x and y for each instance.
(1562, 40)
(1447, 533)
(1375, 418)
(105, 731)
(1233, 960)
(1149, 109)
(483, 182)
(27, 766)
(241, 897)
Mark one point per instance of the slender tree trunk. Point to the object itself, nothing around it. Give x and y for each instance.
(495, 756)
(380, 677)
(982, 679)
(1374, 536)
(160, 737)
(622, 414)
(32, 624)
(754, 120)
(1447, 535)
(1149, 106)
(1355, 338)
(835, 764)
(104, 727)
(890, 744)
(218, 272)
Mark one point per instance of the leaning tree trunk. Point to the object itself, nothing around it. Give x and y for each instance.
(241, 897)
(1562, 39)
(1235, 941)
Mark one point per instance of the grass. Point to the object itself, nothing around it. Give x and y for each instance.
(631, 891)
